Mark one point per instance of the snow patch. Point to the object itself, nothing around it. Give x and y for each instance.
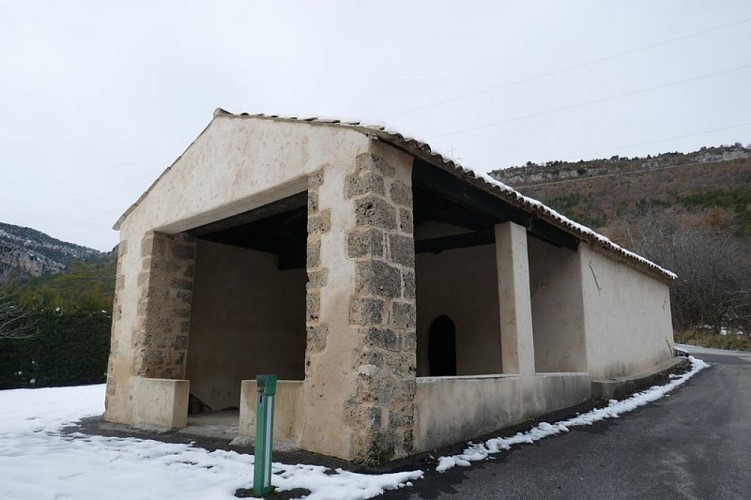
(38, 461)
(482, 451)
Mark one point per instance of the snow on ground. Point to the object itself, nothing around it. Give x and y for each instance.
(38, 461)
(481, 451)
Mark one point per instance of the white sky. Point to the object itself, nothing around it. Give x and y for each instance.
(97, 98)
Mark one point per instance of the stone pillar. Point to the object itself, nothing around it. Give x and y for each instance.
(319, 223)
(160, 342)
(512, 264)
(382, 309)
(361, 341)
(117, 316)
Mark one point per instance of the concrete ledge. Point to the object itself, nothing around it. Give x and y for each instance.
(618, 387)
(160, 403)
(288, 413)
(451, 409)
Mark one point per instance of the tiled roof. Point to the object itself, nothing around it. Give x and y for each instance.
(423, 151)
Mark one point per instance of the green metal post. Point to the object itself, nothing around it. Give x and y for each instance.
(264, 434)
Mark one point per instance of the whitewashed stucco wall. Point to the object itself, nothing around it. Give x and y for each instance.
(626, 317)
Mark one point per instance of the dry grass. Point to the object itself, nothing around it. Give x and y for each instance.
(705, 339)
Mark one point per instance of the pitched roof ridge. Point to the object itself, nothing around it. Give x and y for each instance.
(482, 180)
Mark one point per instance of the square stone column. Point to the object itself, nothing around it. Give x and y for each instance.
(512, 264)
(165, 284)
(361, 345)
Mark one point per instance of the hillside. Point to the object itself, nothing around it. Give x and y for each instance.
(690, 213)
(26, 253)
(709, 188)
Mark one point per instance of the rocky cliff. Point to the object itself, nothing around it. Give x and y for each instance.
(25, 253)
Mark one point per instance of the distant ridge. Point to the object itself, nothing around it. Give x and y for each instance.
(26, 253)
(710, 187)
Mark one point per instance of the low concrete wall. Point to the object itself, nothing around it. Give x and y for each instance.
(555, 391)
(619, 387)
(288, 412)
(160, 402)
(451, 409)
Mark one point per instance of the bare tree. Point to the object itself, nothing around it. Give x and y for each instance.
(15, 322)
(713, 288)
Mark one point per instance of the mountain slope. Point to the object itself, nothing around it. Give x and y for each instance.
(710, 188)
(26, 252)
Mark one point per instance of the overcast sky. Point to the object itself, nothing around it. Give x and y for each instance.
(97, 98)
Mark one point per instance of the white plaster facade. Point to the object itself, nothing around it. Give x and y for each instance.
(212, 291)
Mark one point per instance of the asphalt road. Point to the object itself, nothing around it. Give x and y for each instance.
(695, 443)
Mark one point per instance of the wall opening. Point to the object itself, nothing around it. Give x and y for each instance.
(456, 266)
(248, 308)
(442, 347)
(455, 276)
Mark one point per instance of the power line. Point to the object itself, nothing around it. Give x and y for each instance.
(567, 68)
(80, 204)
(675, 138)
(588, 103)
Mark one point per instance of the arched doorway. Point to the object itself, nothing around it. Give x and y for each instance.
(442, 347)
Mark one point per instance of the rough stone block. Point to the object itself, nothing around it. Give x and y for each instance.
(317, 279)
(184, 327)
(313, 305)
(366, 311)
(368, 356)
(365, 416)
(184, 252)
(403, 314)
(408, 283)
(314, 253)
(402, 250)
(401, 415)
(372, 210)
(406, 222)
(401, 194)
(385, 338)
(184, 296)
(369, 161)
(364, 182)
(179, 342)
(316, 337)
(409, 341)
(404, 390)
(375, 277)
(178, 358)
(374, 390)
(188, 272)
(315, 180)
(320, 222)
(365, 243)
(312, 202)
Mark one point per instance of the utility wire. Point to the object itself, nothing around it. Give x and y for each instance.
(588, 103)
(575, 158)
(81, 203)
(567, 68)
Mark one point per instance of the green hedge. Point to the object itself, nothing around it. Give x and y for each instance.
(68, 348)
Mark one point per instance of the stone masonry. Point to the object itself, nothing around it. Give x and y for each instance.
(382, 309)
(166, 284)
(319, 222)
(117, 314)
